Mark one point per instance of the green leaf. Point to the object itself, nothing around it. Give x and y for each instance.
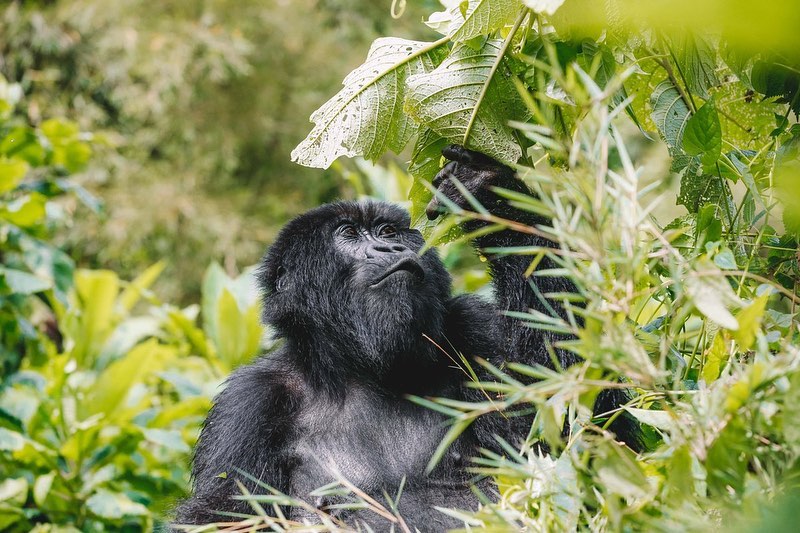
(11, 173)
(239, 333)
(41, 488)
(60, 131)
(112, 386)
(366, 117)
(11, 441)
(171, 439)
(469, 100)
(712, 296)
(26, 211)
(658, 419)
(92, 313)
(22, 143)
(697, 61)
(473, 19)
(703, 135)
(715, 357)
(134, 290)
(114, 505)
(24, 283)
(749, 320)
(14, 491)
(670, 115)
(725, 259)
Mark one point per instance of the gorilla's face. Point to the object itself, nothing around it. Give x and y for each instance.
(352, 272)
(383, 256)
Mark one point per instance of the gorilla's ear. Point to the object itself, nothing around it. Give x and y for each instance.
(280, 279)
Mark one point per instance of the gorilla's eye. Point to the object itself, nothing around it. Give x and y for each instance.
(348, 230)
(387, 231)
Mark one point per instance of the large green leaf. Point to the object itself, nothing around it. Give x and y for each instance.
(366, 117)
(469, 99)
(463, 21)
(697, 61)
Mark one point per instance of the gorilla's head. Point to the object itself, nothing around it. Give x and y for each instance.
(348, 276)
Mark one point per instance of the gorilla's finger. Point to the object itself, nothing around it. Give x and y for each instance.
(456, 152)
(447, 171)
(432, 209)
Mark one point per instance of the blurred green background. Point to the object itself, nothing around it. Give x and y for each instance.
(194, 107)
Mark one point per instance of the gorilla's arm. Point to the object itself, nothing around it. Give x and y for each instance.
(245, 430)
(513, 291)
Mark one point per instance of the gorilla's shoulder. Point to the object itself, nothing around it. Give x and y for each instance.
(274, 370)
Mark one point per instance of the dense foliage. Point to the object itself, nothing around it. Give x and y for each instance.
(99, 402)
(697, 315)
(662, 141)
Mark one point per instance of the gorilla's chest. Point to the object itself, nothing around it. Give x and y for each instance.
(371, 440)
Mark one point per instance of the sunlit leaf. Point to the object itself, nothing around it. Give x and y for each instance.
(112, 386)
(468, 100)
(468, 19)
(366, 118)
(697, 61)
(703, 135)
(749, 320)
(11, 173)
(25, 211)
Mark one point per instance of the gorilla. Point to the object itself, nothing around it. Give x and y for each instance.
(366, 322)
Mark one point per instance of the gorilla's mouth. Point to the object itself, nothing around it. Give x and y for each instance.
(408, 264)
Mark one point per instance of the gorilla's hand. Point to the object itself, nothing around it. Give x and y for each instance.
(474, 170)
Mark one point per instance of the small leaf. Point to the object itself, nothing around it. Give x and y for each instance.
(108, 394)
(712, 296)
(26, 211)
(41, 488)
(134, 290)
(703, 135)
(715, 357)
(749, 320)
(11, 441)
(725, 259)
(14, 491)
(11, 173)
(658, 419)
(114, 505)
(670, 115)
(23, 282)
(484, 16)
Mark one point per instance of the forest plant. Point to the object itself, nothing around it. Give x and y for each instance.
(99, 403)
(698, 318)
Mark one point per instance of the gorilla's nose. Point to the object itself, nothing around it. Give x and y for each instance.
(384, 250)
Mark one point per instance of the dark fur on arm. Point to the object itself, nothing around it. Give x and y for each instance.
(245, 430)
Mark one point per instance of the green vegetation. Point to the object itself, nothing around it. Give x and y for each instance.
(662, 141)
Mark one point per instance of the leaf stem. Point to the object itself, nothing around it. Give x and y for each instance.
(506, 43)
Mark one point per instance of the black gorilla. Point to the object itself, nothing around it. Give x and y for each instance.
(366, 322)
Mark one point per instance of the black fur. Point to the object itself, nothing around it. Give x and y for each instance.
(356, 344)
